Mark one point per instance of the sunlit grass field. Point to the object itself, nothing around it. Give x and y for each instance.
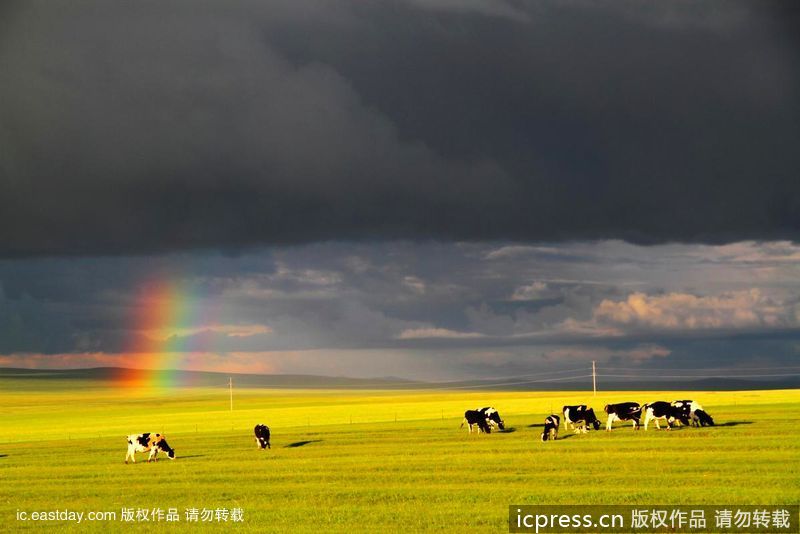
(374, 460)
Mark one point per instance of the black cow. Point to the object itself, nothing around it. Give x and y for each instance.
(701, 418)
(582, 415)
(623, 411)
(492, 417)
(474, 417)
(262, 436)
(550, 431)
(666, 411)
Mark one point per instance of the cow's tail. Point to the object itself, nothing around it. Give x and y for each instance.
(462, 423)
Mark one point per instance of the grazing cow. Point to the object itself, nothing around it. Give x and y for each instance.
(550, 431)
(701, 418)
(474, 417)
(262, 436)
(623, 411)
(581, 415)
(687, 407)
(148, 441)
(684, 406)
(694, 412)
(492, 417)
(663, 410)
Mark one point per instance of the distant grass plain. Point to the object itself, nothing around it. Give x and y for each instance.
(374, 460)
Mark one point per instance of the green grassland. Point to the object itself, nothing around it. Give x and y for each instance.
(374, 460)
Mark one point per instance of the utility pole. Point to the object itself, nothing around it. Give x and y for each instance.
(230, 389)
(594, 379)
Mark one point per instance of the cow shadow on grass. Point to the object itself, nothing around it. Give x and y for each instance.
(507, 430)
(3, 455)
(301, 443)
(565, 436)
(735, 423)
(536, 425)
(191, 456)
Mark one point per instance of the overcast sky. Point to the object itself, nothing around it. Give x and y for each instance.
(419, 188)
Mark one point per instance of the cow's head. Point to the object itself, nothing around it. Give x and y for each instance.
(703, 418)
(495, 417)
(164, 446)
(591, 419)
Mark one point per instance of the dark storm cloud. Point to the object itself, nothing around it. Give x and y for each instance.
(157, 126)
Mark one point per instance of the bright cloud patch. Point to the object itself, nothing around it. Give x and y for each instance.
(683, 311)
(533, 291)
(427, 333)
(230, 330)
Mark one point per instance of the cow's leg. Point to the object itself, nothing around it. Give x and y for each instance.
(610, 422)
(153, 455)
(646, 420)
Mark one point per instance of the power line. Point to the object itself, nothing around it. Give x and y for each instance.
(743, 369)
(700, 376)
(544, 373)
(495, 384)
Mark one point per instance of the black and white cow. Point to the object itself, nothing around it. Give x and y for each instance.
(623, 411)
(692, 411)
(492, 417)
(148, 441)
(580, 416)
(686, 407)
(262, 436)
(550, 431)
(663, 410)
(474, 417)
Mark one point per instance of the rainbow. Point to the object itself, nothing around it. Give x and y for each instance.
(165, 318)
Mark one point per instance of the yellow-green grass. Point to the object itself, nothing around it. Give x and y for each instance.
(401, 465)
